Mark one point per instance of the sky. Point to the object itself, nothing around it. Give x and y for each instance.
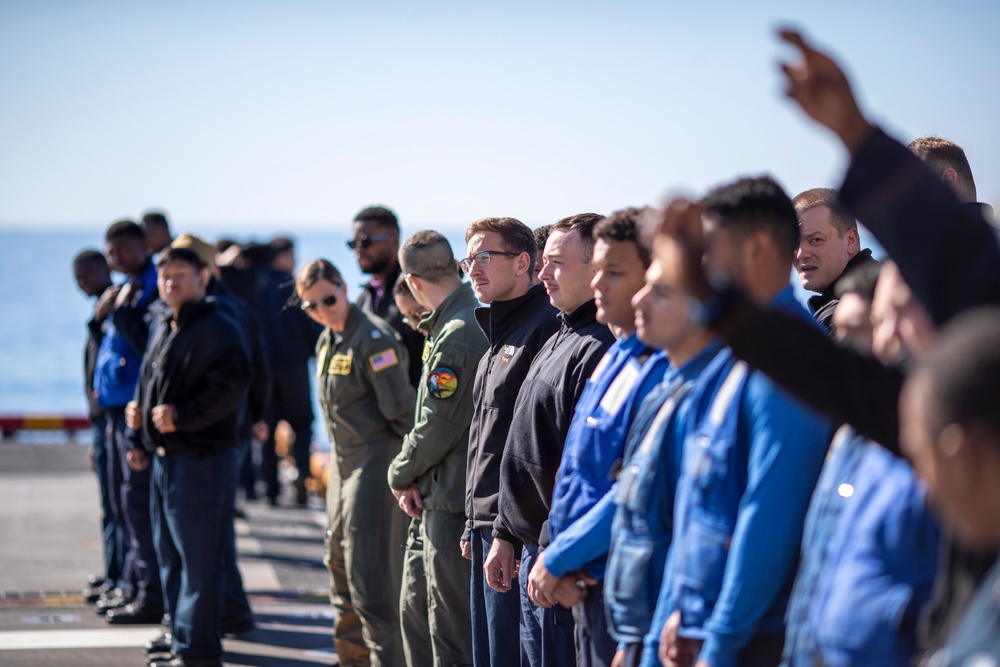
(297, 114)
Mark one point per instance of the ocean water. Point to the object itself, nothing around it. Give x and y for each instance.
(43, 314)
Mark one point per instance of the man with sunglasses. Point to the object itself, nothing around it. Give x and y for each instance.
(375, 242)
(517, 320)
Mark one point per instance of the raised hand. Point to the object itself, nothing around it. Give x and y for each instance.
(820, 88)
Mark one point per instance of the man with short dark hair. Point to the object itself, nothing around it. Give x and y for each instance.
(538, 429)
(115, 377)
(950, 430)
(517, 321)
(93, 277)
(746, 475)
(829, 247)
(157, 229)
(375, 242)
(428, 475)
(194, 378)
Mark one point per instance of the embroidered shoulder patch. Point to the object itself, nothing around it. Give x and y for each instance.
(383, 360)
(442, 382)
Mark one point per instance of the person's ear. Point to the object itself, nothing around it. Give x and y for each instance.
(961, 453)
(950, 177)
(853, 240)
(522, 263)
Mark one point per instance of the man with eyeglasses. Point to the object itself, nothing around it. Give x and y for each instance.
(428, 475)
(542, 414)
(375, 242)
(517, 320)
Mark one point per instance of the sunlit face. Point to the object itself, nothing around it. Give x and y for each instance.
(661, 318)
(619, 275)
(179, 283)
(564, 272)
(374, 256)
(126, 254)
(411, 310)
(901, 326)
(823, 251)
(330, 312)
(497, 281)
(852, 322)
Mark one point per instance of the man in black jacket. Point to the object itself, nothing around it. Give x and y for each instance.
(192, 383)
(517, 321)
(541, 419)
(829, 247)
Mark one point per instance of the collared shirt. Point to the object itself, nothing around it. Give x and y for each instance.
(748, 472)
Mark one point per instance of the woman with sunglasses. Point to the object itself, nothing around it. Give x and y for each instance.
(368, 404)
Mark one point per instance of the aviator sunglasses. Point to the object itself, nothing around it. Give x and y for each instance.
(329, 301)
(365, 241)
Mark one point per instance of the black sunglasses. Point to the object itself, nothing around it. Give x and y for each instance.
(329, 301)
(366, 241)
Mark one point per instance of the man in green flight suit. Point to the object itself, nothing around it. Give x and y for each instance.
(428, 475)
(367, 403)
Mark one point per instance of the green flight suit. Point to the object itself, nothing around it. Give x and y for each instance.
(434, 456)
(368, 404)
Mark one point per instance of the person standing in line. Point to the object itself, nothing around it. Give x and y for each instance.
(115, 378)
(428, 475)
(596, 439)
(291, 340)
(194, 379)
(517, 320)
(375, 242)
(542, 413)
(93, 277)
(368, 406)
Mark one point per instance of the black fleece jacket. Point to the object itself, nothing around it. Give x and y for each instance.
(542, 415)
(516, 330)
(198, 364)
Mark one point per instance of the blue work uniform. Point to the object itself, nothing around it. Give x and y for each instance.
(748, 471)
(584, 544)
(643, 499)
(594, 447)
(869, 559)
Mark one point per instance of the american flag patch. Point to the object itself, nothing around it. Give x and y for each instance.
(383, 360)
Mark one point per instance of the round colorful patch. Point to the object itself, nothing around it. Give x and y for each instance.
(442, 382)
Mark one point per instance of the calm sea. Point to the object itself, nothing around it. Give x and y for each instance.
(43, 314)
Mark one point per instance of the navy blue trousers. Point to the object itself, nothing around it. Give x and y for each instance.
(191, 505)
(547, 635)
(494, 615)
(114, 550)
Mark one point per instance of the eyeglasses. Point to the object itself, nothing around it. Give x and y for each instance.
(366, 241)
(329, 301)
(482, 258)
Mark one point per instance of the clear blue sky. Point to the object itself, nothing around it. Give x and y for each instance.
(294, 114)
